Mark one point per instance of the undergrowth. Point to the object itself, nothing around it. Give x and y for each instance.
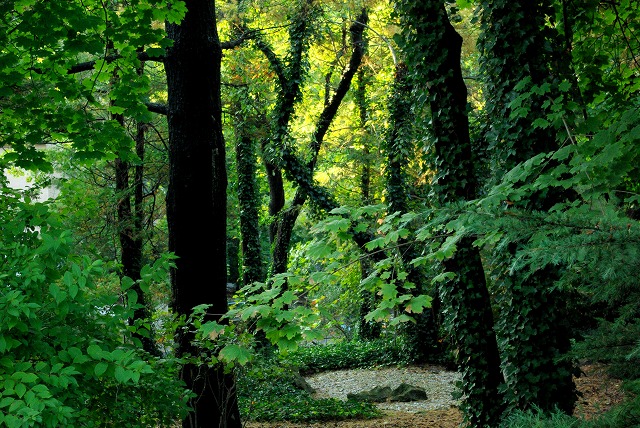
(625, 415)
(273, 391)
(273, 388)
(352, 354)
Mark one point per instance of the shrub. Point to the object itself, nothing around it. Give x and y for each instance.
(65, 359)
(536, 418)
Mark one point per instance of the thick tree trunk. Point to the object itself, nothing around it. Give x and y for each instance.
(519, 44)
(196, 201)
(469, 316)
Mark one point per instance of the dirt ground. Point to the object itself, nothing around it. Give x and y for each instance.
(599, 393)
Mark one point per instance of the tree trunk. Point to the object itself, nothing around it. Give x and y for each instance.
(303, 172)
(519, 44)
(130, 235)
(196, 202)
(367, 330)
(398, 147)
(469, 316)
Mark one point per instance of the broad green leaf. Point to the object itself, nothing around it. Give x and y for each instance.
(234, 353)
(121, 374)
(418, 304)
(100, 368)
(95, 352)
(20, 389)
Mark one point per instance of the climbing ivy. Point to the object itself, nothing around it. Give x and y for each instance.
(526, 85)
(433, 50)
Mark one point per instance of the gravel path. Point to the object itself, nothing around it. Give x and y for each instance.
(437, 382)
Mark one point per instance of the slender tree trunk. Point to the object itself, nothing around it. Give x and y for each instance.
(252, 264)
(130, 235)
(196, 202)
(303, 172)
(367, 330)
(398, 147)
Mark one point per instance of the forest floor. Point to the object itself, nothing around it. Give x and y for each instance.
(599, 392)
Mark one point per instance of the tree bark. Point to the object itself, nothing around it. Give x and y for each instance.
(519, 44)
(466, 298)
(196, 202)
(398, 147)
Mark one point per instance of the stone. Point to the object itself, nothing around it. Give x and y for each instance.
(301, 383)
(406, 392)
(380, 394)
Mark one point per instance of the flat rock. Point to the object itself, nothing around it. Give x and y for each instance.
(379, 394)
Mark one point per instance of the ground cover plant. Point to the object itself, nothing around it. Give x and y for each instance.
(274, 390)
(351, 354)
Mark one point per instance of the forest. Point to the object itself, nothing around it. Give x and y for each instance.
(220, 196)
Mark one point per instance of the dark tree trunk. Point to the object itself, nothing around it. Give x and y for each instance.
(467, 294)
(367, 330)
(130, 236)
(466, 298)
(196, 202)
(398, 147)
(519, 44)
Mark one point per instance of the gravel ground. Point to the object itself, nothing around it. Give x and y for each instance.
(437, 382)
(599, 392)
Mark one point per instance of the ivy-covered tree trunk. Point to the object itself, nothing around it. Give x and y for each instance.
(252, 264)
(367, 330)
(297, 170)
(434, 49)
(290, 77)
(523, 58)
(398, 147)
(196, 202)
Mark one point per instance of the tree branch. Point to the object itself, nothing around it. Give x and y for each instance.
(89, 65)
(157, 108)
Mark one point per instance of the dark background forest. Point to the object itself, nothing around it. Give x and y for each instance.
(241, 190)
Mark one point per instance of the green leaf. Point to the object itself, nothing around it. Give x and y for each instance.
(121, 374)
(212, 329)
(338, 225)
(116, 110)
(233, 353)
(375, 243)
(388, 291)
(20, 389)
(418, 303)
(564, 86)
(95, 352)
(541, 123)
(100, 368)
(6, 401)
(319, 250)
